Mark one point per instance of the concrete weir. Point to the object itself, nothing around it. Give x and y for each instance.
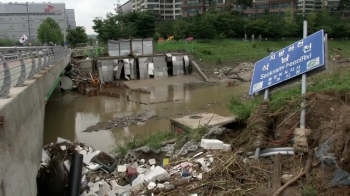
(21, 134)
(191, 122)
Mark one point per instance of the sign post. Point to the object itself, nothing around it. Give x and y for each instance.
(294, 60)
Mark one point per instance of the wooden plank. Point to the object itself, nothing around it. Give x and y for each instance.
(277, 173)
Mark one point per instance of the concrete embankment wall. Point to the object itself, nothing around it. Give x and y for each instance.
(21, 134)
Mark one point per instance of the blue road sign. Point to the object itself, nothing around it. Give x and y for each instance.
(293, 60)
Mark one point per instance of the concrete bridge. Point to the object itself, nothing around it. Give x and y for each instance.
(27, 78)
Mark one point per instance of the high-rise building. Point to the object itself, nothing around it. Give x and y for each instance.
(126, 7)
(193, 7)
(167, 9)
(307, 6)
(70, 16)
(274, 7)
(17, 19)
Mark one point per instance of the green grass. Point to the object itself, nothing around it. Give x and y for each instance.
(153, 140)
(334, 82)
(214, 51)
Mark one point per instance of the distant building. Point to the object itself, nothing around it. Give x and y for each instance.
(70, 14)
(167, 9)
(306, 6)
(126, 7)
(14, 19)
(274, 7)
(193, 7)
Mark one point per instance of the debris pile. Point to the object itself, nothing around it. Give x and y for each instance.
(337, 56)
(222, 72)
(141, 90)
(234, 72)
(119, 122)
(106, 174)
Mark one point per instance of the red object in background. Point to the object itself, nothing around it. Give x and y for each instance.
(179, 131)
(131, 171)
(189, 39)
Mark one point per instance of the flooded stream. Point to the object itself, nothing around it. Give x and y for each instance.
(67, 115)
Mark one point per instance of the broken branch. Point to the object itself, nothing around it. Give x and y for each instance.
(306, 171)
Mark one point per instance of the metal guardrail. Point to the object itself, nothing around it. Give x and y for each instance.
(20, 63)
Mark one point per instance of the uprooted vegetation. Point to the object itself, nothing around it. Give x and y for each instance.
(272, 123)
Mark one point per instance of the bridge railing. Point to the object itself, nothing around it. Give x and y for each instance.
(18, 64)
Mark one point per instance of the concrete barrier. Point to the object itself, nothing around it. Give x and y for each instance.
(21, 134)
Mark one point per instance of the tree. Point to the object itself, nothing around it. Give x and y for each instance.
(77, 35)
(290, 26)
(6, 42)
(49, 31)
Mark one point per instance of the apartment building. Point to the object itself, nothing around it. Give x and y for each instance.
(307, 6)
(274, 7)
(126, 7)
(193, 7)
(17, 19)
(167, 9)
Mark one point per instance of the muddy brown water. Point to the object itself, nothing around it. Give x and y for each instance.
(67, 115)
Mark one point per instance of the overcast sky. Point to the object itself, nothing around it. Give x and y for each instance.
(85, 10)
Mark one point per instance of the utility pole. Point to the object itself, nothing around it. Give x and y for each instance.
(65, 28)
(28, 22)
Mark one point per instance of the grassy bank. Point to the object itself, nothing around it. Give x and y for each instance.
(336, 82)
(212, 51)
(156, 140)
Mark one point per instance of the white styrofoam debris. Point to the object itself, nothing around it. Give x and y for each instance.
(138, 181)
(63, 147)
(161, 186)
(60, 140)
(83, 194)
(120, 189)
(83, 152)
(158, 173)
(203, 164)
(95, 188)
(78, 148)
(151, 186)
(44, 156)
(135, 165)
(227, 147)
(90, 184)
(104, 189)
(113, 183)
(121, 168)
(194, 194)
(66, 164)
(87, 158)
(141, 170)
(142, 161)
(152, 161)
(212, 144)
(84, 171)
(94, 166)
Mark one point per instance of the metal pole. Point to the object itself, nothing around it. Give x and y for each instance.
(303, 86)
(257, 150)
(65, 28)
(28, 22)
